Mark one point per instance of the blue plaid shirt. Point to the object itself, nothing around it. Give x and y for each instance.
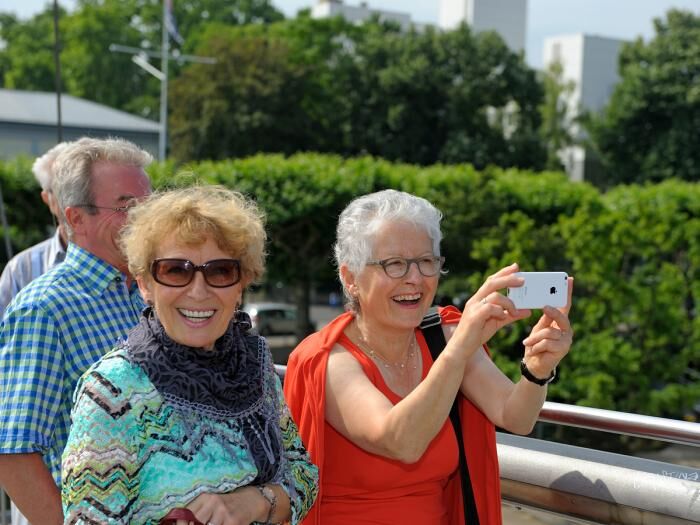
(53, 330)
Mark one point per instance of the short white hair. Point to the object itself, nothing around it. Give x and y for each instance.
(43, 167)
(72, 181)
(364, 216)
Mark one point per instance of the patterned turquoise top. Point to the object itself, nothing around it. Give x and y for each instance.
(132, 455)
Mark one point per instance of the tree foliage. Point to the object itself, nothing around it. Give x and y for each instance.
(89, 69)
(556, 128)
(647, 132)
(26, 60)
(330, 86)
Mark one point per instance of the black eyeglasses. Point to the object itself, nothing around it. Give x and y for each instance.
(218, 273)
(118, 209)
(397, 267)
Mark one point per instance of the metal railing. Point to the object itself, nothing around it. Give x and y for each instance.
(591, 486)
(669, 430)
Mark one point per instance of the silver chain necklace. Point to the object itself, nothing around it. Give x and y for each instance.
(400, 366)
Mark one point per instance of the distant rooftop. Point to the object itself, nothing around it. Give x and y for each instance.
(39, 108)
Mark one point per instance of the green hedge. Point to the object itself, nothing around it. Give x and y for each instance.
(634, 251)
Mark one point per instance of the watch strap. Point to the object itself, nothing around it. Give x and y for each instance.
(525, 371)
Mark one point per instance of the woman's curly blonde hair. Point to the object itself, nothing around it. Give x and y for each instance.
(194, 214)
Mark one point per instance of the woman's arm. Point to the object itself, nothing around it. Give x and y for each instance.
(99, 479)
(301, 478)
(515, 407)
(27, 480)
(360, 412)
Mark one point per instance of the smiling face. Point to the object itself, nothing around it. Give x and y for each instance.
(395, 303)
(98, 229)
(195, 315)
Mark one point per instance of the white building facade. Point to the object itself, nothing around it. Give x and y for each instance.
(506, 17)
(358, 13)
(590, 62)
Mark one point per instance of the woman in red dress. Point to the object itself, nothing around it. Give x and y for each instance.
(371, 404)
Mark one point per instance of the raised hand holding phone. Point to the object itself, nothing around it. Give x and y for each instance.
(551, 338)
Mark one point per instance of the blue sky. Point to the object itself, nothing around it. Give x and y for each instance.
(625, 19)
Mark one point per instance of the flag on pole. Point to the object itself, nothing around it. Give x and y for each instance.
(170, 24)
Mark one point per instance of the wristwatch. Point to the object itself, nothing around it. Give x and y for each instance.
(530, 377)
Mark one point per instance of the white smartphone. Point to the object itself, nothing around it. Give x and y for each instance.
(540, 289)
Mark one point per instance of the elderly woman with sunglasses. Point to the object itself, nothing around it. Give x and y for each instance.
(185, 418)
(371, 403)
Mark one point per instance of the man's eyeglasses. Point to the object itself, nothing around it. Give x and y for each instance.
(397, 267)
(218, 273)
(118, 209)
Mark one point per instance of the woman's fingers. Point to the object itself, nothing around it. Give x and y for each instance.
(552, 334)
(570, 295)
(503, 278)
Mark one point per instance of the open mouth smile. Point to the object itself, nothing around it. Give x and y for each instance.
(196, 316)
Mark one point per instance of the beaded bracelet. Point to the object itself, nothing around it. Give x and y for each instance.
(271, 498)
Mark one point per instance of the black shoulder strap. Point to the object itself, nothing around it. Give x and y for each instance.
(434, 336)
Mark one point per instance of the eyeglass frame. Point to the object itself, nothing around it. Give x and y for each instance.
(409, 262)
(118, 209)
(196, 268)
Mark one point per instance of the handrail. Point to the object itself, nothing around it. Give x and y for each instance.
(650, 427)
(592, 486)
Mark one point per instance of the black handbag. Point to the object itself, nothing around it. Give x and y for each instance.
(434, 336)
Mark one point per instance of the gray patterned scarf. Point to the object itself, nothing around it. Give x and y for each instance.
(226, 383)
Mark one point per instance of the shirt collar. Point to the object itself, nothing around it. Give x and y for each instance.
(57, 253)
(96, 272)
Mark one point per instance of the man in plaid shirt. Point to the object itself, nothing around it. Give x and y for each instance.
(64, 321)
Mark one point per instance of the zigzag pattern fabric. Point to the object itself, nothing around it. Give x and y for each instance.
(152, 455)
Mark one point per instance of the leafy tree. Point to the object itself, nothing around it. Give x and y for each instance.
(89, 69)
(29, 220)
(635, 254)
(555, 131)
(647, 132)
(243, 106)
(492, 103)
(353, 90)
(26, 60)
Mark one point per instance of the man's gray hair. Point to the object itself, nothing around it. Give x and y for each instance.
(43, 167)
(364, 216)
(72, 181)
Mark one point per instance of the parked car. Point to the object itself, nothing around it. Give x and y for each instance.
(272, 318)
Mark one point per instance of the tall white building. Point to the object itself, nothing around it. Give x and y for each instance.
(590, 62)
(507, 17)
(358, 13)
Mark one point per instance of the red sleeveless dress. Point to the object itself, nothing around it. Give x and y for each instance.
(361, 488)
(365, 488)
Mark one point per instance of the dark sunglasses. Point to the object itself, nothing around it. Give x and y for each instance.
(219, 273)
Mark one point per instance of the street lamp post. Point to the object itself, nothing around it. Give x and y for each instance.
(140, 58)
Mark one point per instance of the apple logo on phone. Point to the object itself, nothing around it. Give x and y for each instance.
(553, 290)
